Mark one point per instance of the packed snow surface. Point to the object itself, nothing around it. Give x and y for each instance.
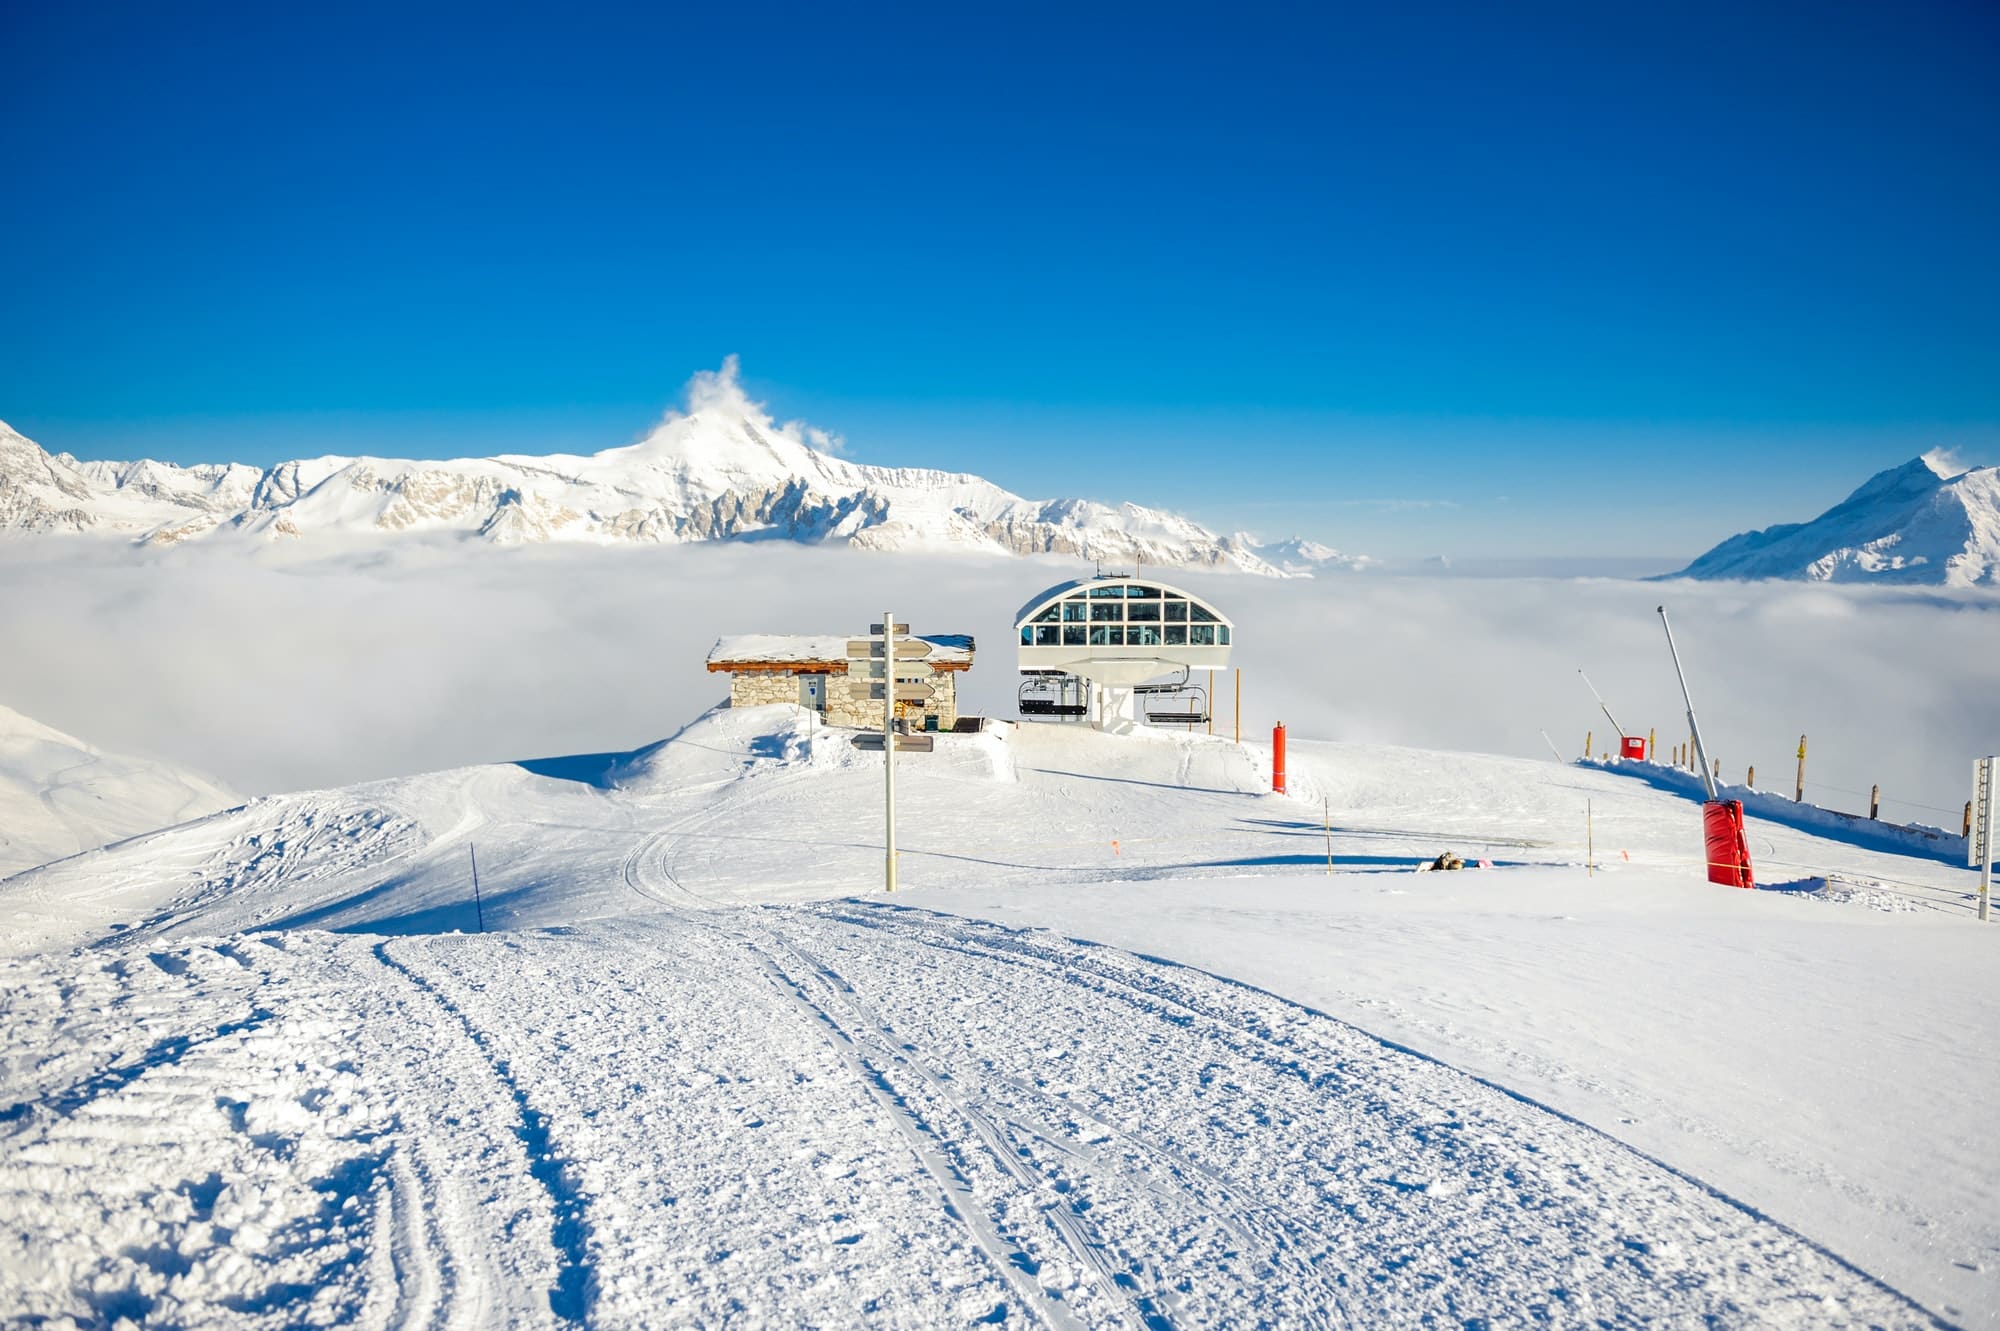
(60, 795)
(266, 1069)
(1927, 521)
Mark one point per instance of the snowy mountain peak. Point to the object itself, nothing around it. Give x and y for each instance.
(1930, 520)
(721, 468)
(724, 439)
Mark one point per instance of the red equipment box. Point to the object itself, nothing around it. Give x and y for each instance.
(1632, 746)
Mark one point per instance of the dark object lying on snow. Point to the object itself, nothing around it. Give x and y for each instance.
(1451, 859)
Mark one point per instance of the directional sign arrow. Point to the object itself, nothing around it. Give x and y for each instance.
(880, 670)
(859, 649)
(871, 741)
(915, 693)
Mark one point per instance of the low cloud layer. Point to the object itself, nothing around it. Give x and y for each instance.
(279, 674)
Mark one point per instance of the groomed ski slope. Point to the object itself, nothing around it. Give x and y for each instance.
(253, 1075)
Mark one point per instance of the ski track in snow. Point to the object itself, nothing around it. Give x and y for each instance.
(854, 1113)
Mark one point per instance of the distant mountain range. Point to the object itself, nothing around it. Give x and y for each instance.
(722, 470)
(1927, 522)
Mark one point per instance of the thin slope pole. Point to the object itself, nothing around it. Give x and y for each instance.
(477, 905)
(1602, 706)
(1327, 807)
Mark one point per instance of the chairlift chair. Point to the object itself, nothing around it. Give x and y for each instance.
(1175, 702)
(1048, 693)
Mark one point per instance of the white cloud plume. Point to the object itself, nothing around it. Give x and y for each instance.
(721, 391)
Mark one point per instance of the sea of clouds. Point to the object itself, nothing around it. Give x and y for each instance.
(285, 669)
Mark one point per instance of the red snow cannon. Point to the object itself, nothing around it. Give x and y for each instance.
(1632, 747)
(1728, 851)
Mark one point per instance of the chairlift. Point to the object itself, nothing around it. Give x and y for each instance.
(1175, 702)
(1053, 693)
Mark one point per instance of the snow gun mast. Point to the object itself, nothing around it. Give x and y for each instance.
(1694, 729)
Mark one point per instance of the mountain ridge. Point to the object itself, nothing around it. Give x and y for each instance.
(721, 470)
(1927, 521)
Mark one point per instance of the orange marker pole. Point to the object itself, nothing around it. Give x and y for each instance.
(1278, 758)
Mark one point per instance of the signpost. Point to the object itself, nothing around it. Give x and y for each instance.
(888, 664)
(887, 628)
(1979, 846)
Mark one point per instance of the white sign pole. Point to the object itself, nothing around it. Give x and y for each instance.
(1983, 774)
(889, 744)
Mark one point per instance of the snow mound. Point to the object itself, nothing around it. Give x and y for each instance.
(1927, 522)
(60, 795)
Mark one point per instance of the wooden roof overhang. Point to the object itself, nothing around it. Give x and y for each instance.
(814, 667)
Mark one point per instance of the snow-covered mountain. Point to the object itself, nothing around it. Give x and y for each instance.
(1301, 557)
(1927, 521)
(59, 795)
(720, 470)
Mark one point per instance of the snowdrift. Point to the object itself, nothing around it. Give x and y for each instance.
(60, 795)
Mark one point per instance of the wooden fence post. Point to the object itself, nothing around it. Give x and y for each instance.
(1586, 744)
(1652, 743)
(1751, 780)
(1874, 800)
(1718, 771)
(1799, 790)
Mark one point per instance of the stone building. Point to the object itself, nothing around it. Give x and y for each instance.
(812, 671)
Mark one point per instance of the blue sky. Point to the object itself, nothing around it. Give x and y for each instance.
(1515, 281)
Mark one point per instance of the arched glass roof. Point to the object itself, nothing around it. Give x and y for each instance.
(1121, 630)
(1137, 597)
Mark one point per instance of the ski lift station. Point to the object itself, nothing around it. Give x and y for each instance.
(1118, 650)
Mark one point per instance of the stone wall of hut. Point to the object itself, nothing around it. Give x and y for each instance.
(847, 700)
